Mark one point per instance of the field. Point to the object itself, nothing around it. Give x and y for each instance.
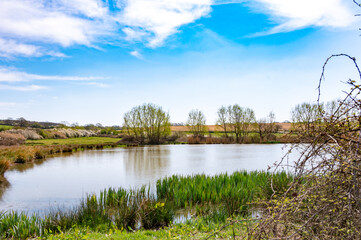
(68, 141)
(5, 127)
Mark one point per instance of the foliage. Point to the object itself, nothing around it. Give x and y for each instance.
(235, 191)
(237, 120)
(9, 139)
(326, 203)
(80, 140)
(197, 123)
(148, 123)
(266, 127)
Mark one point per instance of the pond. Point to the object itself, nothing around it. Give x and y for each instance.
(62, 181)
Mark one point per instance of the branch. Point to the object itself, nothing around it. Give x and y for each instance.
(326, 62)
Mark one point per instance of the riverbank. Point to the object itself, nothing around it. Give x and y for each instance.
(208, 202)
(36, 150)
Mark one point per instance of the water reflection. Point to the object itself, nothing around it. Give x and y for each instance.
(4, 185)
(147, 161)
(64, 180)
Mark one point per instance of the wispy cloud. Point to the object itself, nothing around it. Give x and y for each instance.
(34, 28)
(156, 20)
(136, 54)
(7, 104)
(97, 84)
(60, 22)
(12, 75)
(22, 88)
(11, 48)
(297, 14)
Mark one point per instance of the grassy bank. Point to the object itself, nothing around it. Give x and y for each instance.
(213, 202)
(45, 148)
(69, 141)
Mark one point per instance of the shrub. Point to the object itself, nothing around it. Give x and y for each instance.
(8, 139)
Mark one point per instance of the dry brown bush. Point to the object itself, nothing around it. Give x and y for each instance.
(27, 133)
(324, 201)
(9, 139)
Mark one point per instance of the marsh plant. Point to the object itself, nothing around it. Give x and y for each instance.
(214, 198)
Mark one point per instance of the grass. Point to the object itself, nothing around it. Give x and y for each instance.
(233, 193)
(82, 140)
(192, 229)
(5, 127)
(116, 212)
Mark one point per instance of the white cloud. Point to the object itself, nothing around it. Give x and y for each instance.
(160, 18)
(7, 104)
(59, 22)
(296, 14)
(11, 48)
(31, 28)
(136, 54)
(12, 75)
(97, 84)
(22, 88)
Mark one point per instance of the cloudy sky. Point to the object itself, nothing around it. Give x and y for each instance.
(90, 61)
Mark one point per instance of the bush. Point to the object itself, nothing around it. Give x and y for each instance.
(9, 139)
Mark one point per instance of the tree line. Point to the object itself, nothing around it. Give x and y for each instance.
(149, 123)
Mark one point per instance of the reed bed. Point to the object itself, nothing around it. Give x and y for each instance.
(214, 197)
(235, 192)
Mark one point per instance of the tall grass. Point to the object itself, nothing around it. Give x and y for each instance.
(235, 192)
(214, 197)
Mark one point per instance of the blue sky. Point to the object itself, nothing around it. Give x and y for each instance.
(90, 61)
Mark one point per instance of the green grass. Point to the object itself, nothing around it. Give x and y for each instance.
(68, 141)
(215, 199)
(233, 194)
(5, 127)
(191, 229)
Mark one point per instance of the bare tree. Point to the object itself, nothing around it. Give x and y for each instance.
(240, 120)
(197, 123)
(266, 126)
(222, 119)
(148, 123)
(306, 117)
(324, 200)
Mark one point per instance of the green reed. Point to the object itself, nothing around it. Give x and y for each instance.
(235, 191)
(214, 198)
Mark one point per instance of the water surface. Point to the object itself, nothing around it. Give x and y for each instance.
(64, 180)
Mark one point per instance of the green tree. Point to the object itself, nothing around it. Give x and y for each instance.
(266, 126)
(197, 123)
(306, 117)
(222, 119)
(240, 121)
(148, 123)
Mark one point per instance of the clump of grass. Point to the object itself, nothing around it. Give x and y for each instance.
(156, 214)
(19, 226)
(215, 199)
(10, 139)
(4, 166)
(235, 192)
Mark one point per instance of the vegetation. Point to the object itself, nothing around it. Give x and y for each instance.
(237, 120)
(5, 127)
(197, 123)
(119, 210)
(326, 205)
(233, 192)
(81, 140)
(42, 149)
(267, 128)
(147, 123)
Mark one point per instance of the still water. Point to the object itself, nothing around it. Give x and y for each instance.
(62, 181)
